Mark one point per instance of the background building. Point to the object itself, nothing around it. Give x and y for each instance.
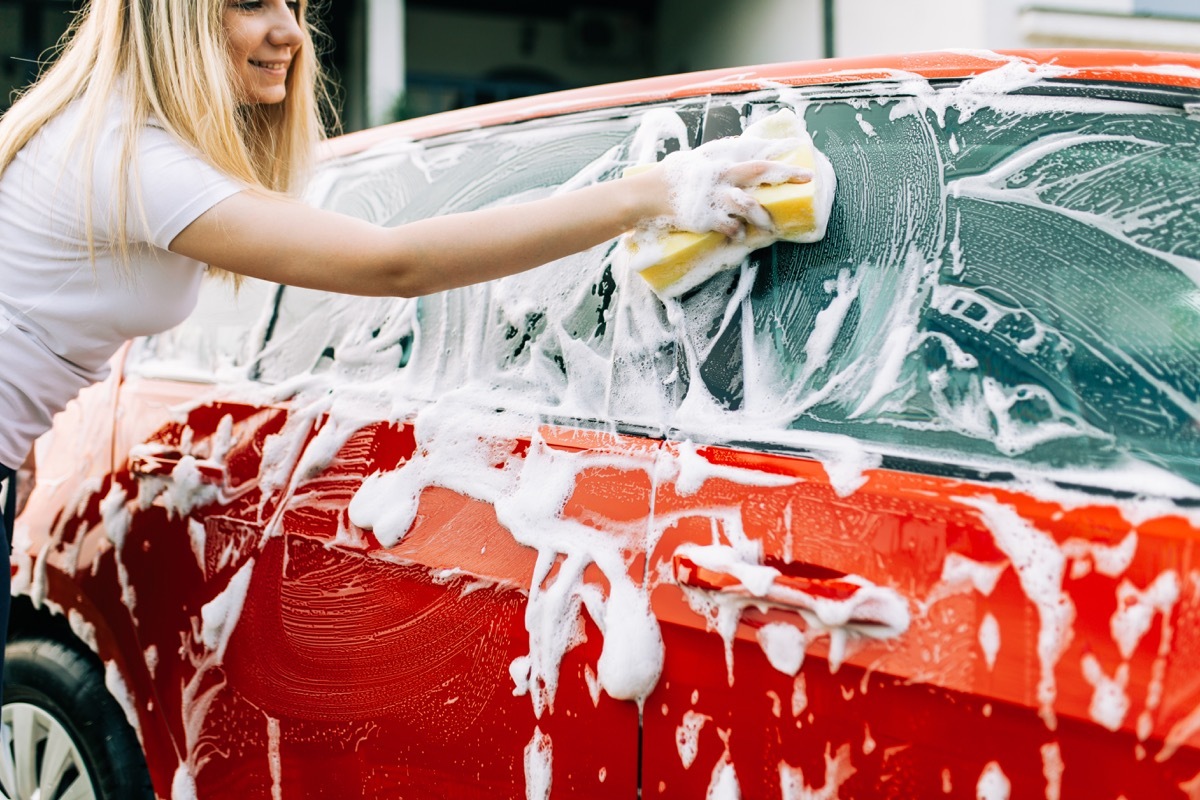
(398, 58)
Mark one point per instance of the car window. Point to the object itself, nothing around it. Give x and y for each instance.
(1002, 277)
(218, 340)
(544, 337)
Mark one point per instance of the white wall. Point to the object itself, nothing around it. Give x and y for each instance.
(1087, 23)
(870, 27)
(385, 58)
(702, 34)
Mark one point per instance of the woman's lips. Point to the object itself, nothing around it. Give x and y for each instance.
(279, 67)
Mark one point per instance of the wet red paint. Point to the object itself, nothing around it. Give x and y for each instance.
(367, 671)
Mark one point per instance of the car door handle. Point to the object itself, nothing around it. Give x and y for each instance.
(164, 463)
(831, 600)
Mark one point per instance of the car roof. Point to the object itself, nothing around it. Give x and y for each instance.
(1166, 69)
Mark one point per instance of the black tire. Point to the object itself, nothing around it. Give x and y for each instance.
(57, 685)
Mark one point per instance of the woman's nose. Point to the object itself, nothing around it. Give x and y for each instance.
(285, 30)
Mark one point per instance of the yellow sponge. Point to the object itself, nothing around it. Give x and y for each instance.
(678, 251)
(798, 210)
(793, 206)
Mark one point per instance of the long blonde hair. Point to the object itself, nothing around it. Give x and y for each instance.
(169, 59)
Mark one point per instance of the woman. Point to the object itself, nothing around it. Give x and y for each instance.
(171, 134)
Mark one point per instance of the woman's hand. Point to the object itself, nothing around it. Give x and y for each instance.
(709, 187)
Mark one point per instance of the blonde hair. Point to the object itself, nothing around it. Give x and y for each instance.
(169, 59)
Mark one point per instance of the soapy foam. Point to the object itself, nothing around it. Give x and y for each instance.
(838, 770)
(687, 737)
(704, 199)
(875, 382)
(1110, 703)
(220, 615)
(993, 783)
(723, 784)
(1040, 567)
(539, 758)
(1052, 769)
(989, 639)
(115, 683)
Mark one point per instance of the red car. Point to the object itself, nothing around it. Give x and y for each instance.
(909, 512)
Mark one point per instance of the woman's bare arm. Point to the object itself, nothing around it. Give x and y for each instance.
(288, 242)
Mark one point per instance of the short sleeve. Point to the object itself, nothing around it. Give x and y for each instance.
(169, 187)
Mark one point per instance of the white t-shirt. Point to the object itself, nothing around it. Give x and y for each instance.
(63, 317)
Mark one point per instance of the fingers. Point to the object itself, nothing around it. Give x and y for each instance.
(760, 171)
(737, 211)
(709, 188)
(749, 209)
(732, 227)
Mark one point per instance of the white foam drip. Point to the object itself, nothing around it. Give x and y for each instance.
(1110, 703)
(220, 615)
(1136, 609)
(783, 645)
(723, 785)
(993, 783)
(871, 611)
(687, 737)
(1052, 770)
(838, 770)
(1040, 567)
(989, 639)
(539, 761)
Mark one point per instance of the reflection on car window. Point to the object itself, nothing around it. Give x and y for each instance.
(1015, 279)
(545, 335)
(217, 341)
(1011, 277)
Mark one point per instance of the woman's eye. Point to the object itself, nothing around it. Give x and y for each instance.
(258, 5)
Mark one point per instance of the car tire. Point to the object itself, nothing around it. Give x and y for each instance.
(60, 724)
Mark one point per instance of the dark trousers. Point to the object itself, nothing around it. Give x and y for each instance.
(8, 480)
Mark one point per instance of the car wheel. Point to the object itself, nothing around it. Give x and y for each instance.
(62, 734)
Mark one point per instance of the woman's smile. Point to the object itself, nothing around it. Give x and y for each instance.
(263, 37)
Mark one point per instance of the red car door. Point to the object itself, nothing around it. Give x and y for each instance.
(197, 479)
(929, 531)
(448, 656)
(916, 638)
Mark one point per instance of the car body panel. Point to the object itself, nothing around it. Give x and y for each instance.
(1117, 66)
(364, 567)
(938, 699)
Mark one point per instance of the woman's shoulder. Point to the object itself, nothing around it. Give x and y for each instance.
(78, 126)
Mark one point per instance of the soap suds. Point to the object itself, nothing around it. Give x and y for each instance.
(539, 759)
(989, 639)
(687, 737)
(1040, 567)
(783, 645)
(993, 783)
(220, 615)
(564, 361)
(1110, 703)
(1052, 770)
(838, 770)
(723, 785)
(115, 683)
(1136, 609)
